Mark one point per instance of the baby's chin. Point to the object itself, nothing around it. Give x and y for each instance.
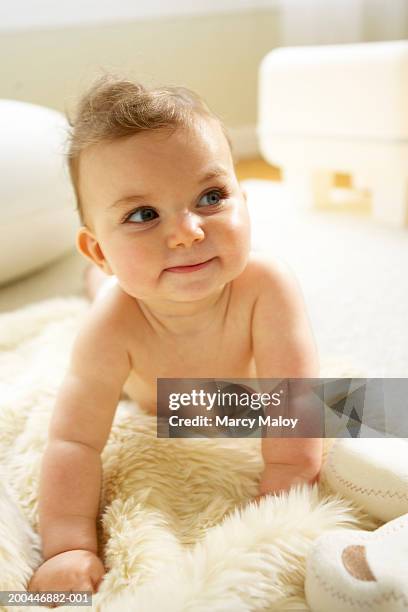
(194, 291)
(195, 296)
(189, 287)
(175, 295)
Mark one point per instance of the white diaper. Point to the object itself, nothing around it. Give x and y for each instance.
(106, 286)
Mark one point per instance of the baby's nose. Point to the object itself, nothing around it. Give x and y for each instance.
(185, 230)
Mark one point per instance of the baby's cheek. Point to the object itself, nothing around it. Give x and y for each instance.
(238, 234)
(131, 264)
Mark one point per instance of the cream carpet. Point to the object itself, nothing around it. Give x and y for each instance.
(177, 528)
(352, 271)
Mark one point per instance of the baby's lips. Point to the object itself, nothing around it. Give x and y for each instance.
(189, 264)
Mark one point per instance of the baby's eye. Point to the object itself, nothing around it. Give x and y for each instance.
(212, 197)
(142, 215)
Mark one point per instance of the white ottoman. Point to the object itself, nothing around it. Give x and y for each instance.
(339, 109)
(38, 218)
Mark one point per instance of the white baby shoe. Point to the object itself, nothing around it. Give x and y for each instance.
(360, 570)
(373, 472)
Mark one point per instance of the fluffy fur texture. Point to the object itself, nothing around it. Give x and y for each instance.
(178, 530)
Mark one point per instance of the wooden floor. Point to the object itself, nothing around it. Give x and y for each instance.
(350, 201)
(257, 169)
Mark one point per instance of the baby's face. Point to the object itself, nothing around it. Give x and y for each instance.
(160, 200)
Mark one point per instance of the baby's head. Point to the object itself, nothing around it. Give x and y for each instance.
(155, 184)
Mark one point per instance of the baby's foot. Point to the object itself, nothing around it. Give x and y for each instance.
(93, 280)
(360, 570)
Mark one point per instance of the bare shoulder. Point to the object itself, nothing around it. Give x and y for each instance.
(113, 310)
(98, 368)
(266, 275)
(102, 341)
(281, 331)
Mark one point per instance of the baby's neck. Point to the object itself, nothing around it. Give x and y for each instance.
(186, 318)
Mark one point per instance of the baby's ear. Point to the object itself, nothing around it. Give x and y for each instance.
(90, 248)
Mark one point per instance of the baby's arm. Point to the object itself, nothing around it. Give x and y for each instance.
(71, 468)
(284, 348)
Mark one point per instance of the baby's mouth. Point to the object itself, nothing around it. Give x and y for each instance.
(190, 267)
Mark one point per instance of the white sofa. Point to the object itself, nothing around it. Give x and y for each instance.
(38, 218)
(339, 109)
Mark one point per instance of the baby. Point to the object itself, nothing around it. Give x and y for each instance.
(163, 213)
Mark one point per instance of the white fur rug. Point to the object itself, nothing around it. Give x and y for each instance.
(178, 530)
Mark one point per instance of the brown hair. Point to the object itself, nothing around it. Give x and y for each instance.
(114, 107)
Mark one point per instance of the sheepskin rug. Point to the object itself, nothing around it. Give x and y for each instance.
(178, 528)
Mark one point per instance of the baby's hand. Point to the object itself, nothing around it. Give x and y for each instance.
(281, 477)
(73, 570)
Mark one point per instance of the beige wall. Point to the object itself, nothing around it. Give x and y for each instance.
(216, 55)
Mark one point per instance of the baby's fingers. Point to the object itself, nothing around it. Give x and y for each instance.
(97, 573)
(36, 583)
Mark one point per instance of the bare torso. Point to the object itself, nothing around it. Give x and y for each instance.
(223, 349)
